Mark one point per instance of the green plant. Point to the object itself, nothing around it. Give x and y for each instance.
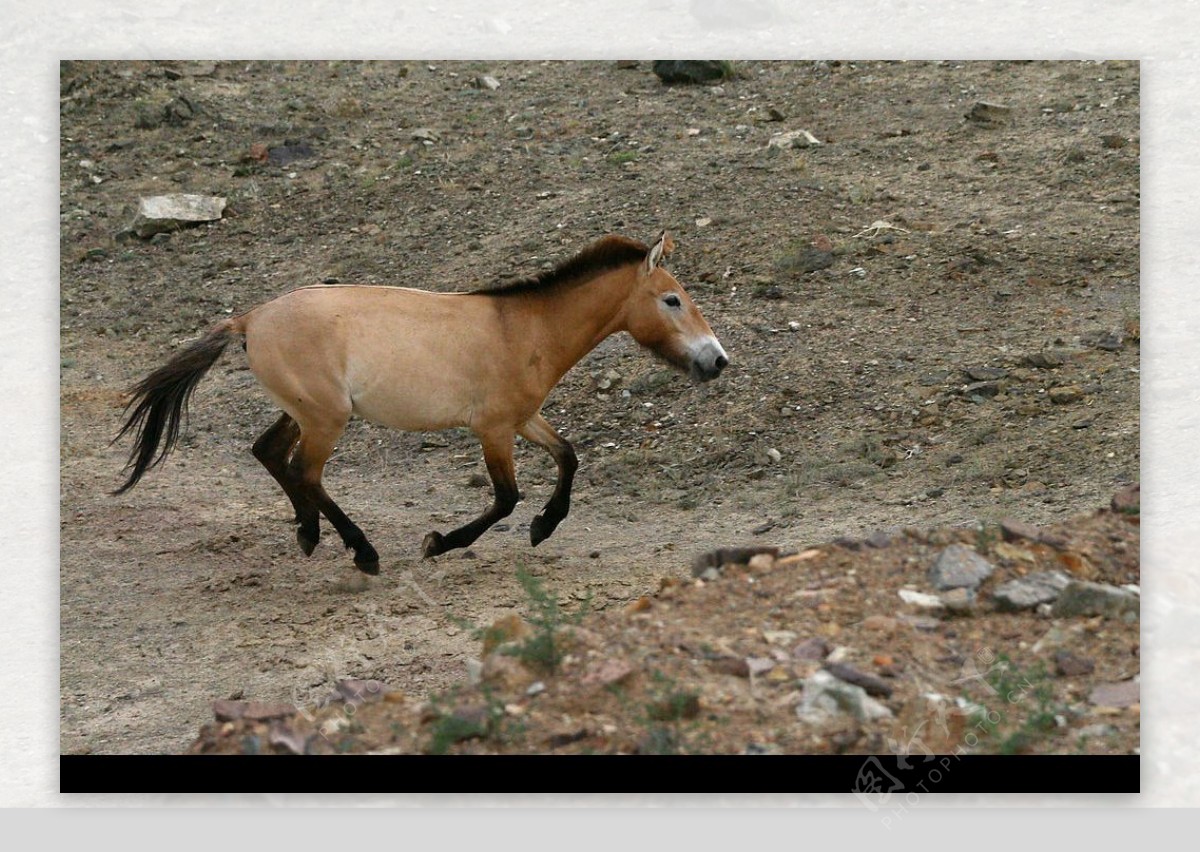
(1024, 709)
(541, 651)
(618, 158)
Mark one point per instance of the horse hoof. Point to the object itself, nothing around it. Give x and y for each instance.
(540, 530)
(433, 544)
(367, 559)
(367, 567)
(306, 545)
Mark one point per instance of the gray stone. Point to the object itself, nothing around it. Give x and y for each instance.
(1083, 598)
(793, 139)
(486, 81)
(873, 685)
(981, 389)
(1046, 360)
(827, 696)
(989, 113)
(1066, 394)
(959, 600)
(959, 566)
(1030, 591)
(691, 71)
(161, 213)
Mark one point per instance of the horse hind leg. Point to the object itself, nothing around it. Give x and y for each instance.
(273, 449)
(538, 431)
(497, 453)
(306, 467)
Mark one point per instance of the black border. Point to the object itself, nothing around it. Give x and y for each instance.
(879, 781)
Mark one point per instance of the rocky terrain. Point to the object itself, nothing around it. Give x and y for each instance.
(925, 275)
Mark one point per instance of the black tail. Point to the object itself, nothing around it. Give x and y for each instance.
(160, 401)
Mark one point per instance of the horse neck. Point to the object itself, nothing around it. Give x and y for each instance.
(572, 321)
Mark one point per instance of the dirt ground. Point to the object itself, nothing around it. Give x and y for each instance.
(931, 315)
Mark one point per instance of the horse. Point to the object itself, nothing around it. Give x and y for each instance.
(419, 360)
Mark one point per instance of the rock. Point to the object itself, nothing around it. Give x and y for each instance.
(981, 389)
(1120, 694)
(959, 566)
(774, 455)
(486, 81)
(506, 673)
(923, 600)
(606, 672)
(1046, 359)
(1084, 598)
(779, 638)
(261, 711)
(227, 710)
(162, 213)
(424, 134)
(1012, 530)
(1128, 501)
(282, 155)
(874, 686)
(959, 600)
(761, 563)
(989, 113)
(1066, 394)
(724, 556)
(689, 72)
(281, 734)
(826, 696)
(812, 649)
(792, 139)
(1030, 591)
(1013, 553)
(1069, 665)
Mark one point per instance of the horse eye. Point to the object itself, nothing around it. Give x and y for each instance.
(671, 301)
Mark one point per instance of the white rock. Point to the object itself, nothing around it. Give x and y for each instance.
(793, 139)
(923, 600)
(169, 212)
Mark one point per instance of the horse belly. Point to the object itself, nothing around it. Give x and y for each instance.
(410, 405)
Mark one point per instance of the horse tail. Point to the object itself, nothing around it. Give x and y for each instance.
(160, 401)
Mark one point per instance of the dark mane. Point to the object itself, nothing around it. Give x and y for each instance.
(605, 254)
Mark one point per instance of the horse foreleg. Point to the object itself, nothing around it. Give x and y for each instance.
(306, 467)
(272, 449)
(537, 430)
(497, 453)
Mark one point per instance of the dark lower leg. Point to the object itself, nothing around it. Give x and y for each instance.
(537, 430)
(559, 505)
(272, 449)
(499, 463)
(366, 558)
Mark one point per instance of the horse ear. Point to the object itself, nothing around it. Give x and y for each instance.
(662, 247)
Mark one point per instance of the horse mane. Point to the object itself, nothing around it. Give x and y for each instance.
(605, 254)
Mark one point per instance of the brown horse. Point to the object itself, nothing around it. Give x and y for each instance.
(419, 360)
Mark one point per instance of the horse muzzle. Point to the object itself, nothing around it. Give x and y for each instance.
(708, 360)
